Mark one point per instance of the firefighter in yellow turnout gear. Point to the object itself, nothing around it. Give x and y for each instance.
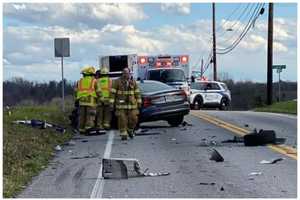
(127, 104)
(86, 95)
(105, 100)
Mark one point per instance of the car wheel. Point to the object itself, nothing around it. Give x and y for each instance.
(176, 121)
(224, 104)
(198, 103)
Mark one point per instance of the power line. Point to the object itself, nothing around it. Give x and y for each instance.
(255, 15)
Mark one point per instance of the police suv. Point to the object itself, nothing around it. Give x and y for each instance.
(209, 94)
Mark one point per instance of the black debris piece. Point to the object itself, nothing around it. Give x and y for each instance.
(147, 133)
(216, 156)
(84, 141)
(234, 140)
(184, 123)
(42, 124)
(262, 137)
(92, 155)
(246, 125)
(222, 189)
(207, 183)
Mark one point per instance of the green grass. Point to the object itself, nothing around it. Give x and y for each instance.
(27, 150)
(289, 107)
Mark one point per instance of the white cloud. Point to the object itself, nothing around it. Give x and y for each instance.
(79, 15)
(176, 8)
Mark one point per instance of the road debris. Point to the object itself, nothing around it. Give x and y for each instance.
(84, 141)
(122, 168)
(222, 189)
(95, 131)
(42, 124)
(216, 156)
(246, 125)
(255, 174)
(58, 148)
(91, 155)
(271, 161)
(234, 140)
(262, 137)
(70, 143)
(147, 133)
(207, 183)
(184, 123)
(173, 139)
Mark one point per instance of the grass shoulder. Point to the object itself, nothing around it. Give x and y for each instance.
(28, 150)
(287, 107)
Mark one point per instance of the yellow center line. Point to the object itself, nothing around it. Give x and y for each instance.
(283, 149)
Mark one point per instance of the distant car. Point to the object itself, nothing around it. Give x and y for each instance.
(162, 102)
(209, 94)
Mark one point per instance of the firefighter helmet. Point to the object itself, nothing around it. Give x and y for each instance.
(88, 70)
(103, 71)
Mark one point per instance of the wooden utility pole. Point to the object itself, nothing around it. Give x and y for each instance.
(270, 56)
(214, 41)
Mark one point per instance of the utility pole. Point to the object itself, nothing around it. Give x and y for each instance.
(214, 41)
(201, 72)
(270, 56)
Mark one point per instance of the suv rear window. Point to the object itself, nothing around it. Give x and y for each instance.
(166, 75)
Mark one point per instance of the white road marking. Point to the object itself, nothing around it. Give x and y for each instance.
(99, 185)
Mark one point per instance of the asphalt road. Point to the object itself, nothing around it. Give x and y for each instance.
(184, 152)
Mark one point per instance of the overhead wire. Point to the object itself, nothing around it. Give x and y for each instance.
(250, 23)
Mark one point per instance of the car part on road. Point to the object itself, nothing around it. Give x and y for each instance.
(40, 124)
(122, 168)
(91, 155)
(255, 174)
(95, 131)
(271, 161)
(216, 156)
(84, 141)
(184, 123)
(234, 140)
(58, 148)
(148, 133)
(262, 137)
(207, 183)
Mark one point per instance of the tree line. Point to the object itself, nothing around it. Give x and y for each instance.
(245, 94)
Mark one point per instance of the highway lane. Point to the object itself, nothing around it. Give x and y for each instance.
(181, 151)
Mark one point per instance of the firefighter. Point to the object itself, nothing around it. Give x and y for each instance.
(86, 96)
(105, 100)
(127, 103)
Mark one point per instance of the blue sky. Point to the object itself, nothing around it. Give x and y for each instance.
(151, 28)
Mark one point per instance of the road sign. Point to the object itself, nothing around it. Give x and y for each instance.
(62, 47)
(278, 66)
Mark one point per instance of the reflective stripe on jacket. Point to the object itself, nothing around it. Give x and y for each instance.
(104, 90)
(86, 93)
(127, 94)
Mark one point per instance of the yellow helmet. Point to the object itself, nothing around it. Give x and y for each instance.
(103, 71)
(88, 70)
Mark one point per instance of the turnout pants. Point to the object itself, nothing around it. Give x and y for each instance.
(127, 120)
(86, 117)
(103, 116)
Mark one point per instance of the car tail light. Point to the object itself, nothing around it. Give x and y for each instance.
(158, 64)
(147, 102)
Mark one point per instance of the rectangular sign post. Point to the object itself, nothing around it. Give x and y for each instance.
(279, 69)
(62, 49)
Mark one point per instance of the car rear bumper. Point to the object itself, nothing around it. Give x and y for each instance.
(154, 113)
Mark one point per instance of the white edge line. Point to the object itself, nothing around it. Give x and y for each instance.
(99, 184)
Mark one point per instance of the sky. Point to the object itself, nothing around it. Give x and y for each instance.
(97, 29)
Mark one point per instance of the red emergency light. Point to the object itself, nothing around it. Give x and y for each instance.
(184, 59)
(142, 60)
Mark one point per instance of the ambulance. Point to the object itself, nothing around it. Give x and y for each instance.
(172, 70)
